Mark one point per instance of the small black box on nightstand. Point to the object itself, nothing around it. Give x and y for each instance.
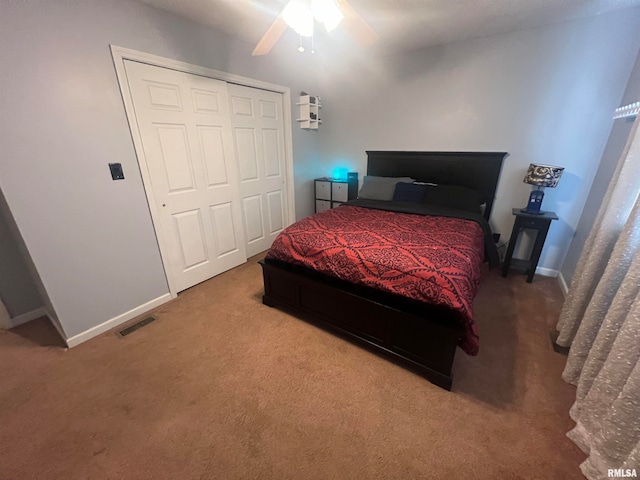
(352, 180)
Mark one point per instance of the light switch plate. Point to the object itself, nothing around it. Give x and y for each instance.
(116, 171)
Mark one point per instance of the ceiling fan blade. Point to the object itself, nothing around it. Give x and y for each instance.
(356, 26)
(271, 36)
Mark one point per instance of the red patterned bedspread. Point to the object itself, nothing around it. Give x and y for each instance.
(428, 258)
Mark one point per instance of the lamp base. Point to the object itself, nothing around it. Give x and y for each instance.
(535, 202)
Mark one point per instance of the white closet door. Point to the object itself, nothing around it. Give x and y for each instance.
(185, 127)
(258, 132)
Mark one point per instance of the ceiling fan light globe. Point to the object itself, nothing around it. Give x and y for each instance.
(299, 17)
(327, 12)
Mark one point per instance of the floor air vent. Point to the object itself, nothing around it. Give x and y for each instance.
(132, 328)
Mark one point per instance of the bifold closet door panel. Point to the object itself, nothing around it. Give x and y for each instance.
(190, 170)
(258, 133)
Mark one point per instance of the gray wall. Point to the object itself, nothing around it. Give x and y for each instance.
(18, 290)
(615, 145)
(90, 238)
(543, 95)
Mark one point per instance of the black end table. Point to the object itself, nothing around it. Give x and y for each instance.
(524, 221)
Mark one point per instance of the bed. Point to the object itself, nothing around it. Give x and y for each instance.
(417, 331)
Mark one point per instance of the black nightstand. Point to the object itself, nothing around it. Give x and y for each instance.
(524, 221)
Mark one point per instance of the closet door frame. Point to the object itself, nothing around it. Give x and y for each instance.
(120, 54)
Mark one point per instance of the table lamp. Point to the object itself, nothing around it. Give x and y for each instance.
(540, 176)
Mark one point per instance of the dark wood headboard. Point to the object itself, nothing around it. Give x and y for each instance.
(479, 171)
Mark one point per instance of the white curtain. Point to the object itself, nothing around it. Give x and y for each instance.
(600, 321)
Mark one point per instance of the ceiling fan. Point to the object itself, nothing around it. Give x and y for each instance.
(302, 14)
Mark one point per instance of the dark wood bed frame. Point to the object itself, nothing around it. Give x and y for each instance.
(418, 335)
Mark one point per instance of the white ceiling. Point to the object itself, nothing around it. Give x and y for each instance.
(403, 25)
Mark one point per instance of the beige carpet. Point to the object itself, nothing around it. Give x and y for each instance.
(222, 387)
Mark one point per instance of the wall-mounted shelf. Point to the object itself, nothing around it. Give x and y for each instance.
(631, 110)
(309, 112)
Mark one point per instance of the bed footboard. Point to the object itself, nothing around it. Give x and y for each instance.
(424, 341)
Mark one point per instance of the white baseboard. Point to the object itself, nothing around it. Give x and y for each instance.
(32, 315)
(4, 317)
(115, 321)
(563, 284)
(547, 272)
(25, 317)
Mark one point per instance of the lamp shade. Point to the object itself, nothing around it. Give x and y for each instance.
(543, 175)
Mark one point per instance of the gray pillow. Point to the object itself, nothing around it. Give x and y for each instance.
(380, 188)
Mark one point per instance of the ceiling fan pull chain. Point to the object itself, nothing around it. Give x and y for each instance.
(301, 48)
